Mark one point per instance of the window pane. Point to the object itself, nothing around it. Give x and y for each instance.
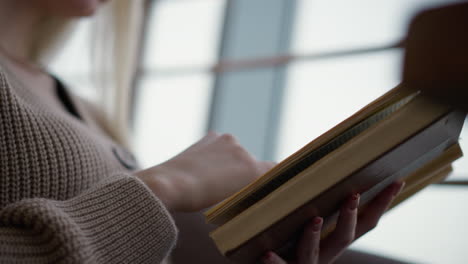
(325, 25)
(428, 228)
(184, 33)
(171, 114)
(321, 94)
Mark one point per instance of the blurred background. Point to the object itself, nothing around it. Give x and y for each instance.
(277, 74)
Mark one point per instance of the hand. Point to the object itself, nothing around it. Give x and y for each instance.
(349, 227)
(204, 174)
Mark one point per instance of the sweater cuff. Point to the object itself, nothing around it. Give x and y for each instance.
(124, 219)
(117, 221)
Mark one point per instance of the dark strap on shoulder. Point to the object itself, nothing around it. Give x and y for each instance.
(65, 98)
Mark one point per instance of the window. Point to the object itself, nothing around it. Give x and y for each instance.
(173, 98)
(335, 25)
(322, 93)
(172, 114)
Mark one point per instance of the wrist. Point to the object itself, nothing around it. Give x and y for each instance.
(162, 186)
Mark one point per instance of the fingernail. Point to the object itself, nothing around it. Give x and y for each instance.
(317, 224)
(354, 201)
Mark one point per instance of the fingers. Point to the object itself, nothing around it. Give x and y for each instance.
(229, 139)
(371, 216)
(264, 166)
(271, 258)
(209, 137)
(309, 246)
(344, 233)
(311, 250)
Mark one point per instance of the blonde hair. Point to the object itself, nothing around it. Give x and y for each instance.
(115, 43)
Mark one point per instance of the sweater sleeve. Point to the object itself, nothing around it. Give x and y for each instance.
(119, 220)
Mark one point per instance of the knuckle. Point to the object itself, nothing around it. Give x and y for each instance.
(250, 164)
(240, 152)
(315, 252)
(229, 138)
(248, 161)
(312, 252)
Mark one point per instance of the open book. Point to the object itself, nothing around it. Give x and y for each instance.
(400, 136)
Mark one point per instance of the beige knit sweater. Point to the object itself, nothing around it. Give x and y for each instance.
(65, 194)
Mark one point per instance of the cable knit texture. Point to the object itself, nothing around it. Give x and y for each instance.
(64, 197)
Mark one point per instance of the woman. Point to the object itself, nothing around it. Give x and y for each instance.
(71, 194)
